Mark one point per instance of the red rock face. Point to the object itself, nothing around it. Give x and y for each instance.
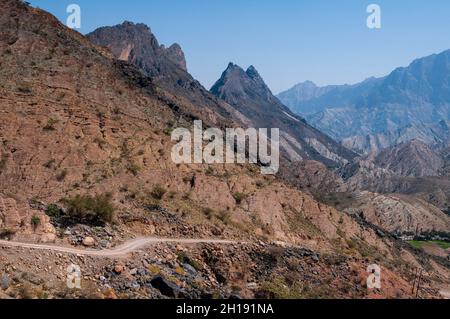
(9, 214)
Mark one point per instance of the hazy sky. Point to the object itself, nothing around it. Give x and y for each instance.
(288, 41)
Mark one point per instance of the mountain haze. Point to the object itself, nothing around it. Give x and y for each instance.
(375, 113)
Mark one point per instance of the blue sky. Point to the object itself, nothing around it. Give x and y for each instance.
(288, 41)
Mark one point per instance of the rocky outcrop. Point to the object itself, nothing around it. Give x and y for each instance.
(10, 218)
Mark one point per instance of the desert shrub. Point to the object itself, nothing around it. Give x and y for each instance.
(279, 289)
(35, 222)
(50, 163)
(158, 192)
(224, 217)
(24, 89)
(90, 210)
(53, 211)
(184, 258)
(61, 175)
(238, 197)
(209, 212)
(209, 171)
(50, 126)
(133, 168)
(7, 233)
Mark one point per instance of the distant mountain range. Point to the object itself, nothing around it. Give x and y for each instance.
(410, 103)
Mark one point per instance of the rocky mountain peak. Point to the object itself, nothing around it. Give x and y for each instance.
(249, 84)
(176, 55)
(248, 93)
(135, 43)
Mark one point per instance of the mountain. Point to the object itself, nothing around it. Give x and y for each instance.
(307, 98)
(247, 92)
(413, 158)
(376, 109)
(84, 134)
(434, 135)
(137, 45)
(400, 214)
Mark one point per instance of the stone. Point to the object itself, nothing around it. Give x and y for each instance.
(189, 269)
(88, 241)
(166, 288)
(5, 281)
(104, 243)
(118, 269)
(133, 271)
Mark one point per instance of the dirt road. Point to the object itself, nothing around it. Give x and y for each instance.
(121, 250)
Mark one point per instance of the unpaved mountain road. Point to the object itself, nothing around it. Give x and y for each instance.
(119, 251)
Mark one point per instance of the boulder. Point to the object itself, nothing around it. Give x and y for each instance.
(166, 288)
(5, 281)
(88, 241)
(118, 269)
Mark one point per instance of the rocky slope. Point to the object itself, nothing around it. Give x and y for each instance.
(412, 158)
(397, 213)
(379, 112)
(76, 121)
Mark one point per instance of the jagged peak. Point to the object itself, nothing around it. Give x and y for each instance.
(251, 71)
(131, 24)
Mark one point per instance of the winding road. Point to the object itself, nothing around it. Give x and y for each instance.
(121, 250)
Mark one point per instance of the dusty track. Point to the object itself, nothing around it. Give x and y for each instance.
(119, 251)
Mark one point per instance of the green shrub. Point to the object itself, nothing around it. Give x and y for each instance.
(53, 211)
(88, 209)
(158, 192)
(35, 222)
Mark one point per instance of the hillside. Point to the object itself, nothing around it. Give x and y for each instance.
(75, 120)
(412, 158)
